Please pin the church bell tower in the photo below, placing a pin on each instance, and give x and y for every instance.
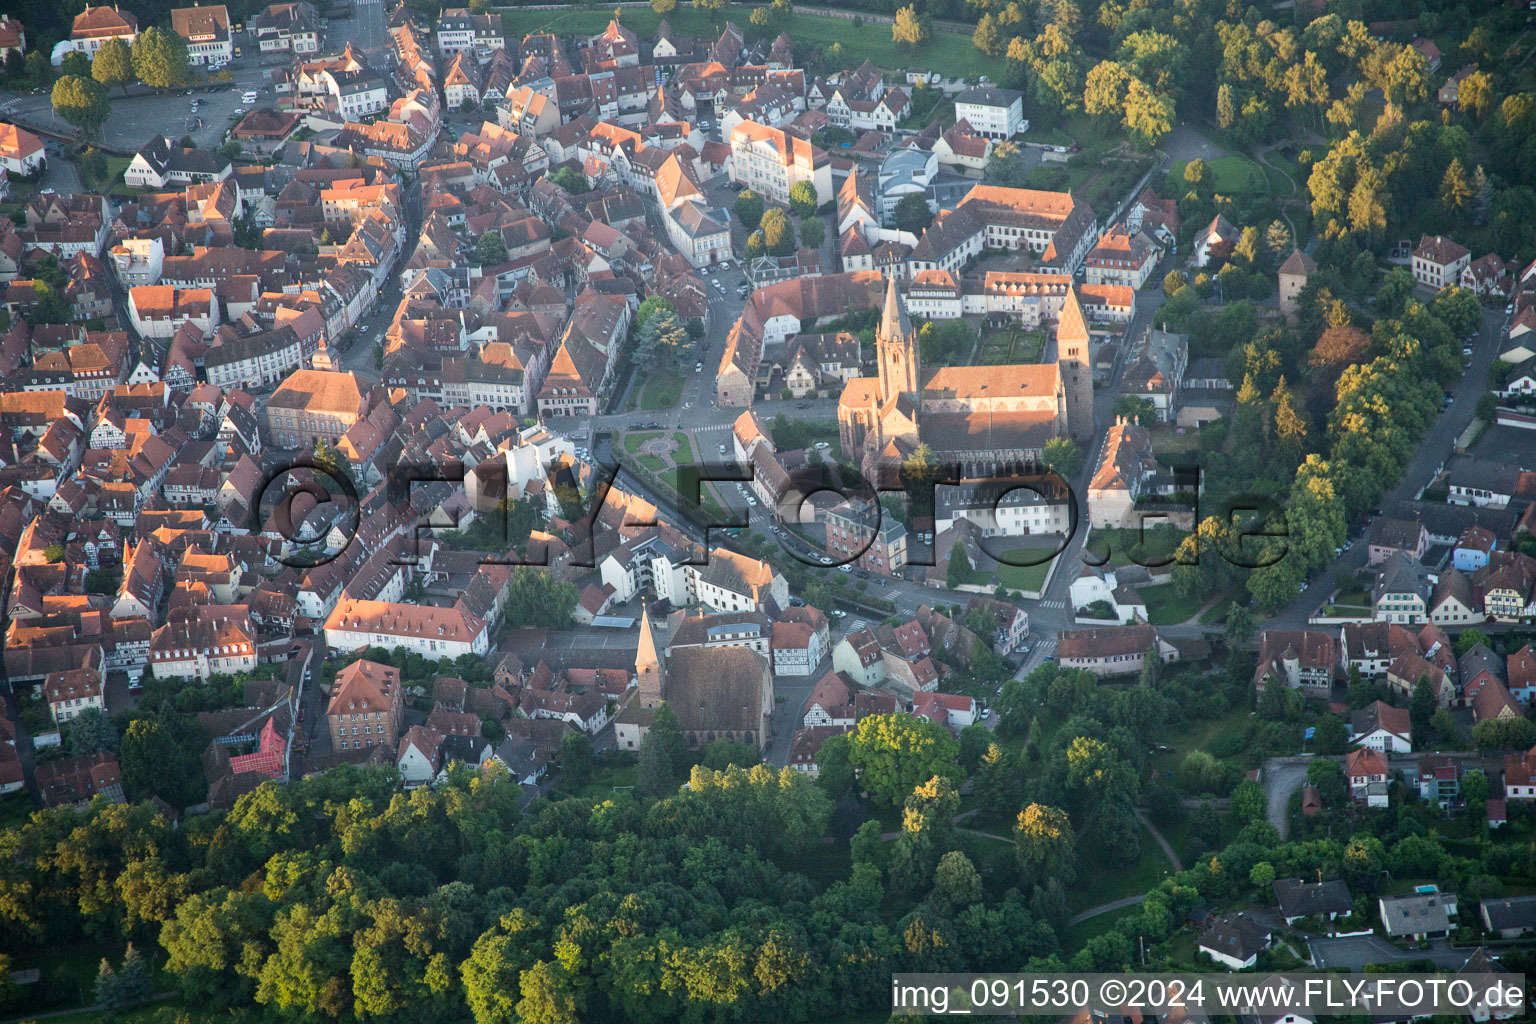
(896, 347)
(1072, 360)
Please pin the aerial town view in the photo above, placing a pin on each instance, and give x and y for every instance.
(696, 512)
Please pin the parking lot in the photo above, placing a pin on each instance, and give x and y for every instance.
(139, 115)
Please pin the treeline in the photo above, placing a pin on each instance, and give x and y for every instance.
(339, 896)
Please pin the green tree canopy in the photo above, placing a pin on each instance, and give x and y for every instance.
(895, 753)
(82, 102)
(113, 65)
(749, 209)
(160, 58)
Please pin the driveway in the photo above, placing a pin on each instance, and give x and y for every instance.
(1355, 952)
(1281, 777)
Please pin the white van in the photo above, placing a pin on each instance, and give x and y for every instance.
(249, 96)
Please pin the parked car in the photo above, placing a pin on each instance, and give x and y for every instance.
(845, 568)
(825, 560)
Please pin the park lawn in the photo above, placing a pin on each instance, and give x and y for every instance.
(1227, 174)
(1025, 577)
(1099, 881)
(651, 463)
(606, 781)
(1166, 608)
(1078, 935)
(948, 51)
(632, 442)
(662, 391)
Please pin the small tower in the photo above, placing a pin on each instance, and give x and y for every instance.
(649, 671)
(321, 360)
(1072, 360)
(896, 347)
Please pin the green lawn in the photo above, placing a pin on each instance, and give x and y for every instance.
(1229, 173)
(1010, 348)
(1079, 934)
(662, 391)
(1025, 577)
(1166, 608)
(632, 442)
(651, 462)
(950, 52)
(1100, 881)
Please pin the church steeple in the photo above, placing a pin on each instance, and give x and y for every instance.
(1072, 360)
(896, 347)
(650, 674)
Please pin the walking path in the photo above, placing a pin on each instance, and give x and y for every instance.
(1104, 908)
(1173, 858)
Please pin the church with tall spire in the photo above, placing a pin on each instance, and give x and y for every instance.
(988, 419)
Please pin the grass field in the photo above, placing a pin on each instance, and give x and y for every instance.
(1099, 881)
(662, 390)
(1166, 608)
(1025, 577)
(632, 442)
(950, 53)
(1230, 174)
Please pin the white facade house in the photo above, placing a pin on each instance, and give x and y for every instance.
(994, 113)
(770, 162)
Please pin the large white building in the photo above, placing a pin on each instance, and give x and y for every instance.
(206, 30)
(992, 112)
(433, 633)
(770, 161)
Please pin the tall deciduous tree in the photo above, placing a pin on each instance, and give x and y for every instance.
(749, 209)
(895, 753)
(802, 199)
(1045, 844)
(987, 37)
(82, 102)
(113, 65)
(160, 58)
(909, 29)
(778, 233)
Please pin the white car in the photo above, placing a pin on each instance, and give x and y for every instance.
(825, 560)
(845, 568)
(698, 367)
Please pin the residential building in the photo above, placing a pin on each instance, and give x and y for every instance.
(1235, 941)
(1299, 899)
(71, 691)
(367, 707)
(1438, 262)
(293, 27)
(1301, 659)
(865, 535)
(21, 152)
(1509, 917)
(1366, 771)
(1122, 258)
(1112, 650)
(992, 112)
(94, 26)
(1421, 915)
(1380, 726)
(770, 162)
(159, 311)
(159, 164)
(206, 30)
(1401, 592)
